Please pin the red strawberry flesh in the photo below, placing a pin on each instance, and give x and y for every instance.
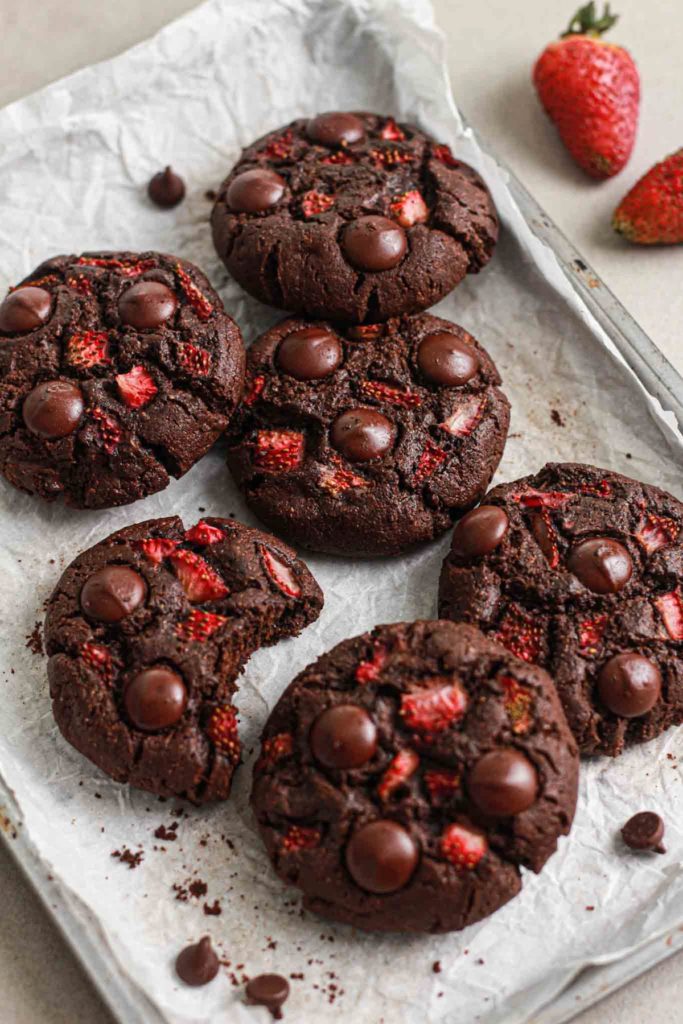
(463, 847)
(137, 387)
(433, 709)
(199, 581)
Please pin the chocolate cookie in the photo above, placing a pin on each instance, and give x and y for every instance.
(117, 370)
(406, 775)
(579, 570)
(369, 440)
(352, 217)
(147, 633)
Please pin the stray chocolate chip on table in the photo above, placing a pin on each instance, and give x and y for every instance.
(644, 831)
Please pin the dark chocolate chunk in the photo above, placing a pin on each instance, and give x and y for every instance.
(629, 684)
(447, 359)
(644, 831)
(255, 191)
(269, 990)
(381, 856)
(25, 309)
(343, 737)
(197, 964)
(362, 434)
(503, 782)
(166, 189)
(479, 532)
(374, 243)
(147, 304)
(53, 409)
(602, 564)
(311, 353)
(112, 593)
(335, 128)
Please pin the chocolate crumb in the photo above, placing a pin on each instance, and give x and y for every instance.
(127, 856)
(556, 417)
(34, 640)
(211, 195)
(213, 909)
(436, 967)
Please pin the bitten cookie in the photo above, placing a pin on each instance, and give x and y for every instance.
(579, 569)
(147, 633)
(352, 217)
(117, 370)
(406, 775)
(367, 440)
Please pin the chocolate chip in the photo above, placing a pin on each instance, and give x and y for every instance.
(480, 531)
(362, 434)
(601, 564)
(24, 310)
(112, 593)
(309, 354)
(254, 191)
(155, 698)
(644, 831)
(147, 304)
(629, 685)
(335, 128)
(197, 964)
(503, 782)
(344, 736)
(374, 243)
(269, 990)
(381, 857)
(446, 359)
(53, 409)
(166, 189)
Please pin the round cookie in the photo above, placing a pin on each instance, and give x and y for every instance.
(406, 775)
(352, 217)
(147, 632)
(367, 440)
(580, 569)
(117, 371)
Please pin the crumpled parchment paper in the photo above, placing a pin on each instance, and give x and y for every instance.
(74, 160)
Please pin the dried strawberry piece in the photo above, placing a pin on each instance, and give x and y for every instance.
(518, 702)
(656, 532)
(194, 359)
(464, 420)
(336, 479)
(197, 299)
(520, 633)
(391, 131)
(127, 268)
(600, 490)
(313, 203)
(410, 208)
(546, 536)
(300, 837)
(37, 282)
(532, 498)
(591, 632)
(273, 750)
(340, 156)
(402, 766)
(670, 607)
(382, 392)
(87, 348)
(222, 731)
(370, 669)
(443, 153)
(80, 283)
(137, 387)
(253, 394)
(433, 709)
(199, 625)
(204, 533)
(431, 458)
(156, 549)
(279, 148)
(109, 430)
(462, 846)
(365, 332)
(280, 573)
(98, 659)
(391, 156)
(199, 581)
(278, 451)
(441, 784)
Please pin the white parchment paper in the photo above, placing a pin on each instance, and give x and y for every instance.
(74, 160)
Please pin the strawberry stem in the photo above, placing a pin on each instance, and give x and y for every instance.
(587, 23)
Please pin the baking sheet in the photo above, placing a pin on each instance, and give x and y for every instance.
(74, 160)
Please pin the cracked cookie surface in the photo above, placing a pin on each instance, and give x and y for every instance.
(406, 775)
(147, 632)
(580, 569)
(352, 217)
(117, 371)
(367, 440)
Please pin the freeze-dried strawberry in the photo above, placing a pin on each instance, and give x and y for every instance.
(431, 458)
(520, 633)
(156, 549)
(382, 392)
(194, 359)
(463, 420)
(402, 766)
(204, 533)
(279, 148)
(410, 208)
(199, 581)
(273, 750)
(300, 837)
(546, 536)
(600, 490)
(433, 709)
(369, 669)
(137, 387)
(591, 632)
(443, 153)
(532, 498)
(391, 156)
(199, 625)
(441, 784)
(391, 131)
(109, 430)
(340, 156)
(313, 203)
(80, 283)
(462, 846)
(222, 731)
(280, 573)
(518, 702)
(278, 451)
(254, 390)
(365, 332)
(656, 532)
(127, 268)
(670, 607)
(37, 282)
(87, 348)
(336, 479)
(197, 299)
(98, 659)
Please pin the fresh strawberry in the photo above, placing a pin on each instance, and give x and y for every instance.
(203, 533)
(652, 212)
(254, 390)
(339, 157)
(313, 203)
(599, 490)
(546, 536)
(370, 669)
(382, 392)
(591, 91)
(518, 702)
(402, 766)
(199, 581)
(80, 283)
(465, 418)
(98, 659)
(391, 132)
(199, 625)
(462, 846)
(656, 532)
(279, 148)
(391, 156)
(431, 458)
(137, 387)
(87, 348)
(532, 498)
(520, 633)
(273, 750)
(670, 607)
(441, 784)
(222, 731)
(156, 549)
(127, 268)
(280, 573)
(300, 837)
(366, 332)
(433, 709)
(591, 632)
(109, 430)
(278, 451)
(443, 154)
(195, 360)
(335, 479)
(197, 299)
(410, 208)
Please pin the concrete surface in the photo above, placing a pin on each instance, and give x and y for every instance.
(492, 45)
